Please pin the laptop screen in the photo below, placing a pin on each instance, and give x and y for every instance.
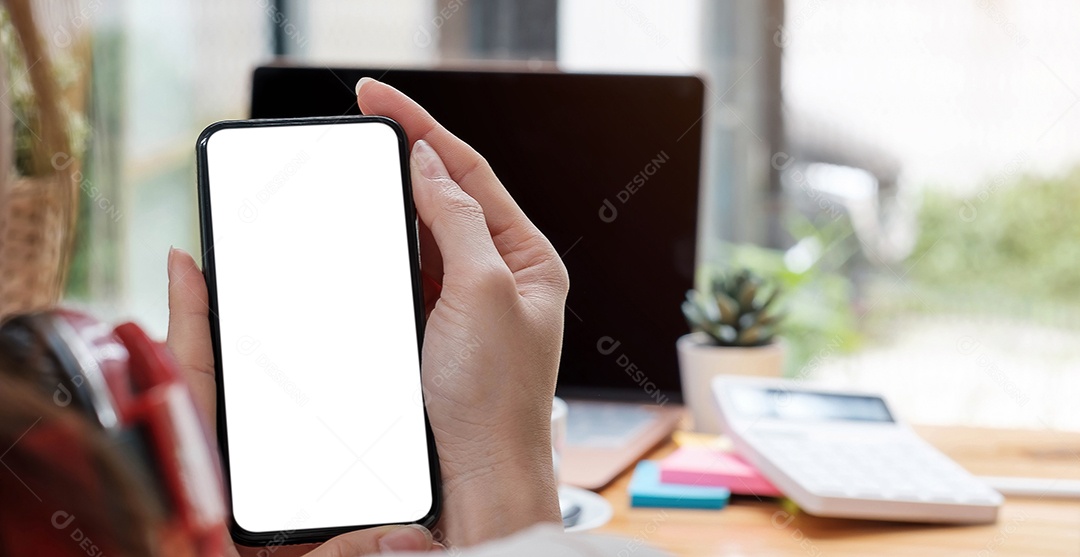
(607, 166)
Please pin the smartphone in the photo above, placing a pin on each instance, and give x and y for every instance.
(310, 252)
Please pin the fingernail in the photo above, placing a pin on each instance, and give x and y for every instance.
(169, 264)
(407, 538)
(427, 161)
(361, 83)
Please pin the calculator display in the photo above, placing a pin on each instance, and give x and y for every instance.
(787, 404)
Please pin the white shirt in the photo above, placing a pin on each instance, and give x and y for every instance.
(549, 540)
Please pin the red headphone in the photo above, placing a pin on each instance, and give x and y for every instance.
(129, 386)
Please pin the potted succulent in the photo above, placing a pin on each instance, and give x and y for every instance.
(733, 332)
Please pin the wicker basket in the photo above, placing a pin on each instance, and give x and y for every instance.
(37, 213)
(34, 231)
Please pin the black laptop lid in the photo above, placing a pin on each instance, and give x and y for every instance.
(607, 166)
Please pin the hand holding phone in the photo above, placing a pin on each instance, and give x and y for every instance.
(488, 390)
(491, 349)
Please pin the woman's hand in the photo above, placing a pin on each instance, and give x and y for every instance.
(495, 291)
(494, 331)
(189, 341)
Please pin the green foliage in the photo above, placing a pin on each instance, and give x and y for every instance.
(736, 311)
(21, 101)
(1015, 242)
(815, 295)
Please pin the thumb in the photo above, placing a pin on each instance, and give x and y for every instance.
(189, 330)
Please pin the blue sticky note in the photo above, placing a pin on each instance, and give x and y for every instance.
(646, 490)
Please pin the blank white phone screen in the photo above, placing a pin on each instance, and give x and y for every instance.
(319, 356)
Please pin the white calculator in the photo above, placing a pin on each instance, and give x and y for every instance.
(843, 454)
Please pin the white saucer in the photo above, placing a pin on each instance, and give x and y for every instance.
(595, 510)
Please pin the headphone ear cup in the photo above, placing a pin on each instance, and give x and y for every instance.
(31, 350)
(23, 354)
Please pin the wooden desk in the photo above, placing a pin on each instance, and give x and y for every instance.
(1026, 527)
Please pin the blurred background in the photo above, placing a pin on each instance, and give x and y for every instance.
(908, 170)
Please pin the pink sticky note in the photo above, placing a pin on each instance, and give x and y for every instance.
(706, 466)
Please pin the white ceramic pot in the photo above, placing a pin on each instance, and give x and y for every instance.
(700, 361)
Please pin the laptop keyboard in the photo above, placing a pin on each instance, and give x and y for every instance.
(605, 425)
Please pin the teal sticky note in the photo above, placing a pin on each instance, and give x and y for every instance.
(646, 490)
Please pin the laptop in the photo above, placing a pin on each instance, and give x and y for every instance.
(608, 167)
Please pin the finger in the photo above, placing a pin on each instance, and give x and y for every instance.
(189, 329)
(513, 234)
(457, 224)
(376, 540)
(464, 164)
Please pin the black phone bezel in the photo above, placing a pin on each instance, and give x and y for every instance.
(305, 535)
